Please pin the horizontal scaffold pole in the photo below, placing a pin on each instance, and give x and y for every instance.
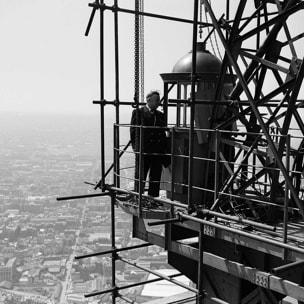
(158, 16)
(288, 267)
(163, 201)
(242, 233)
(66, 198)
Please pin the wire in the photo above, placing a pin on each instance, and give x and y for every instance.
(214, 37)
(201, 19)
(138, 78)
(141, 52)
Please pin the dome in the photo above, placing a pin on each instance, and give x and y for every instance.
(205, 62)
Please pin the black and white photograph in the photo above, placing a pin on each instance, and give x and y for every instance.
(151, 151)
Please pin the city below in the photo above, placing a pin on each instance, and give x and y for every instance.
(41, 159)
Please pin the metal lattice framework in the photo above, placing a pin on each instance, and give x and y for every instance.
(260, 50)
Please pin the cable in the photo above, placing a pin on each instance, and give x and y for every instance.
(138, 79)
(215, 39)
(141, 52)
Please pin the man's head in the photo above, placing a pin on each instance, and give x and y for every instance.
(153, 100)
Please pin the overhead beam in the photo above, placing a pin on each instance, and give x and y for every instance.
(253, 275)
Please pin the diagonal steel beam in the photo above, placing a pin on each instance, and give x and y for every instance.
(263, 49)
(289, 9)
(244, 86)
(262, 101)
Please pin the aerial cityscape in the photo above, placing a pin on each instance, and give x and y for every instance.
(41, 159)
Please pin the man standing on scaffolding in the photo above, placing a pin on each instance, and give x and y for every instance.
(154, 140)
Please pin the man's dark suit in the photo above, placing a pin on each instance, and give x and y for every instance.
(154, 141)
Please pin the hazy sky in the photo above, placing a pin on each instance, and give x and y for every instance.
(48, 65)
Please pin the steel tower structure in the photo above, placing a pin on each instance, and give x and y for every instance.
(239, 238)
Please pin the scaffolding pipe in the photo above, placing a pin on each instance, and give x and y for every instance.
(139, 13)
(244, 102)
(165, 102)
(168, 221)
(192, 106)
(127, 103)
(178, 105)
(242, 233)
(95, 7)
(141, 185)
(238, 219)
(66, 198)
(216, 215)
(163, 201)
(217, 164)
(116, 157)
(288, 267)
(271, 103)
(102, 128)
(114, 254)
(116, 139)
(172, 167)
(200, 293)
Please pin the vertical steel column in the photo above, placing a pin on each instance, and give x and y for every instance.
(227, 15)
(185, 107)
(165, 103)
(216, 165)
(116, 155)
(117, 142)
(192, 105)
(136, 94)
(172, 168)
(200, 293)
(141, 181)
(286, 197)
(114, 254)
(102, 136)
(178, 114)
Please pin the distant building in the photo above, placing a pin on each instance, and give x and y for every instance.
(7, 270)
(77, 299)
(23, 253)
(163, 288)
(33, 207)
(13, 232)
(8, 252)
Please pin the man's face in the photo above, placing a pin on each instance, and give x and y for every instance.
(154, 102)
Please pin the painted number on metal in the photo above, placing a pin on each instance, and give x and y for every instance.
(209, 230)
(261, 279)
